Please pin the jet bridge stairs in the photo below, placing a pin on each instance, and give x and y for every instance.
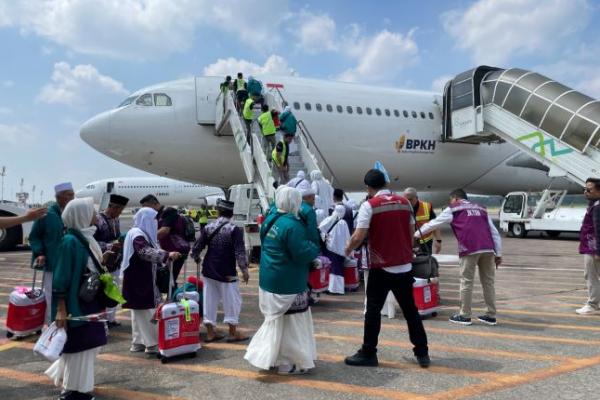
(304, 152)
(557, 126)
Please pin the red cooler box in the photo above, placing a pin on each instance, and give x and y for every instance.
(351, 278)
(318, 277)
(427, 296)
(178, 329)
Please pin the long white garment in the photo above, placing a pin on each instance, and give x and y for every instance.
(335, 238)
(143, 331)
(215, 292)
(323, 189)
(75, 370)
(336, 284)
(48, 295)
(282, 339)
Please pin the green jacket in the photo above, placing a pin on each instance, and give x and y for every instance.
(308, 216)
(68, 274)
(46, 235)
(286, 254)
(202, 216)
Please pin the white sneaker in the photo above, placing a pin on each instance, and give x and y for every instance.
(586, 310)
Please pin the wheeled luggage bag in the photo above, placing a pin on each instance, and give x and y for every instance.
(178, 326)
(318, 277)
(26, 310)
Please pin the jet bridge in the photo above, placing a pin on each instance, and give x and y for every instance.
(554, 124)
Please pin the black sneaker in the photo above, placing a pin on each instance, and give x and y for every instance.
(361, 359)
(487, 320)
(459, 319)
(423, 361)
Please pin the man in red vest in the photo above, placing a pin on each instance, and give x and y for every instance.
(388, 221)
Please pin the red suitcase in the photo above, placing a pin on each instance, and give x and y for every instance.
(351, 277)
(178, 326)
(427, 296)
(26, 310)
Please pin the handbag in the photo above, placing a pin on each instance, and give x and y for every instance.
(51, 343)
(92, 287)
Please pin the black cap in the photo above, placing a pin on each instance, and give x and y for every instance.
(150, 198)
(225, 205)
(338, 193)
(118, 200)
(375, 179)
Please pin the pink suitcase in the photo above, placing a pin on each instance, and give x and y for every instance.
(178, 327)
(26, 310)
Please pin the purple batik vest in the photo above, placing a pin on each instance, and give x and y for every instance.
(471, 228)
(587, 236)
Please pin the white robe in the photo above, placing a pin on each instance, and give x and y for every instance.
(324, 190)
(282, 339)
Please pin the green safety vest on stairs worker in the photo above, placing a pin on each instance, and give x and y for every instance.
(248, 113)
(266, 122)
(240, 84)
(279, 158)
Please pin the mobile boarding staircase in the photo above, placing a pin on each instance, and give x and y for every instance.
(255, 162)
(556, 125)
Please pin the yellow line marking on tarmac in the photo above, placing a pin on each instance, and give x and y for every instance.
(471, 332)
(10, 345)
(103, 390)
(305, 382)
(452, 349)
(334, 358)
(515, 380)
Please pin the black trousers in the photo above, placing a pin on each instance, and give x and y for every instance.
(379, 285)
(178, 266)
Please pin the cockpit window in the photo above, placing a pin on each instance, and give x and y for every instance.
(144, 100)
(161, 99)
(127, 101)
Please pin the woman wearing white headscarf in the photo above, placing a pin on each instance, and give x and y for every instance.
(300, 177)
(323, 189)
(141, 257)
(75, 368)
(286, 338)
(335, 234)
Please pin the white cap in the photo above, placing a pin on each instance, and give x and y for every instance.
(63, 187)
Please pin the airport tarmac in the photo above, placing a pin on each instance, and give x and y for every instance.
(541, 349)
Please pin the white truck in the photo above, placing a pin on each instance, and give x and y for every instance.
(12, 237)
(522, 212)
(245, 214)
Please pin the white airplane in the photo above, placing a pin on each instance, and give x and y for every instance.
(168, 129)
(167, 191)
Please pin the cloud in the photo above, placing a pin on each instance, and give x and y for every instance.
(16, 134)
(493, 31)
(274, 65)
(316, 33)
(142, 29)
(73, 86)
(5, 111)
(438, 83)
(8, 83)
(382, 57)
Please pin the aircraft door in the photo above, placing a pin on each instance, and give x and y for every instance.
(110, 186)
(206, 97)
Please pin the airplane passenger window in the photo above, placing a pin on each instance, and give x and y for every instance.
(369, 111)
(329, 108)
(431, 115)
(339, 109)
(319, 107)
(307, 106)
(296, 105)
(396, 113)
(359, 110)
(161, 99)
(349, 109)
(422, 115)
(414, 114)
(387, 112)
(405, 113)
(377, 111)
(144, 100)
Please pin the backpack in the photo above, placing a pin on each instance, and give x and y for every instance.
(189, 229)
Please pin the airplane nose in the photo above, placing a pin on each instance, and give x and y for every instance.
(94, 130)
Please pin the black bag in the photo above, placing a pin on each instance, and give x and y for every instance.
(190, 229)
(300, 304)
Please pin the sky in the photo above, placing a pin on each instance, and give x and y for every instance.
(64, 61)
